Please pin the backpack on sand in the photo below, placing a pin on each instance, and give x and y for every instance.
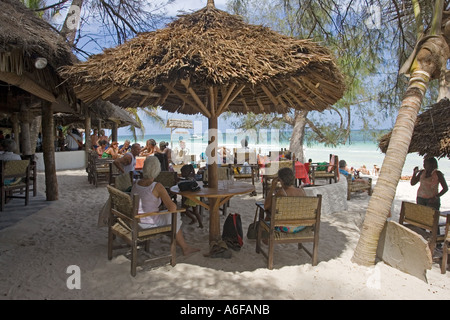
(232, 231)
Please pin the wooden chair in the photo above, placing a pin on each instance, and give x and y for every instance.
(355, 186)
(33, 173)
(168, 179)
(297, 211)
(271, 172)
(242, 157)
(328, 170)
(123, 222)
(100, 170)
(423, 220)
(446, 247)
(15, 178)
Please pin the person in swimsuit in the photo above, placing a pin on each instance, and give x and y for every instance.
(430, 178)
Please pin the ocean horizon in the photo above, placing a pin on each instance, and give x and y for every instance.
(357, 153)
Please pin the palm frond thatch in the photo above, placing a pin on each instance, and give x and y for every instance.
(431, 136)
(99, 110)
(211, 53)
(21, 28)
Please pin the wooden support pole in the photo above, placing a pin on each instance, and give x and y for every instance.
(48, 147)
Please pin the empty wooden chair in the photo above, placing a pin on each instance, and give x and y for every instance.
(423, 220)
(328, 170)
(15, 180)
(291, 211)
(123, 222)
(356, 186)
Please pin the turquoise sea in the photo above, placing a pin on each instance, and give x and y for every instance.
(359, 152)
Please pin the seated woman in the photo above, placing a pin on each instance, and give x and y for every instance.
(150, 148)
(151, 194)
(101, 147)
(112, 151)
(126, 147)
(286, 177)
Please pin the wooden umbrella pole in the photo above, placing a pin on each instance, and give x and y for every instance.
(213, 179)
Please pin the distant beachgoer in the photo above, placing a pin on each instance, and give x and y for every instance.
(102, 136)
(343, 169)
(94, 139)
(364, 170)
(150, 148)
(376, 170)
(430, 177)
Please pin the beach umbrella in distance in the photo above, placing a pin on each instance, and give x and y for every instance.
(431, 136)
(210, 62)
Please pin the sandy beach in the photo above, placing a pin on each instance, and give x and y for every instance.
(36, 252)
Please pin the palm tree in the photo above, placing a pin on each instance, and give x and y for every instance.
(428, 63)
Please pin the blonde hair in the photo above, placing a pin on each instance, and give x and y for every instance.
(152, 167)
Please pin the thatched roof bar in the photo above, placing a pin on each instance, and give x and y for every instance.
(231, 98)
(27, 84)
(226, 94)
(200, 104)
(180, 95)
(270, 95)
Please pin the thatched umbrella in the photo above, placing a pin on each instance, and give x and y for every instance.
(210, 62)
(105, 111)
(431, 136)
(25, 39)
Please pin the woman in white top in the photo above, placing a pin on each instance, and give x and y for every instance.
(151, 194)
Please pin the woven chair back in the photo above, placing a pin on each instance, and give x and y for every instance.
(418, 214)
(167, 178)
(222, 172)
(14, 168)
(121, 202)
(297, 210)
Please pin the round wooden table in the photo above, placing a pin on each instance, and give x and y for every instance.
(216, 197)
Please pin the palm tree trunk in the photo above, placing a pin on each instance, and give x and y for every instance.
(384, 191)
(298, 135)
(428, 62)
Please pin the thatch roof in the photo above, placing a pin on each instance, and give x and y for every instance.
(23, 38)
(431, 136)
(99, 110)
(213, 55)
(22, 29)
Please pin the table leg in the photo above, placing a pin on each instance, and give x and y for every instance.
(214, 220)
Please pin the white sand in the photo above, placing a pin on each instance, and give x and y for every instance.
(36, 252)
